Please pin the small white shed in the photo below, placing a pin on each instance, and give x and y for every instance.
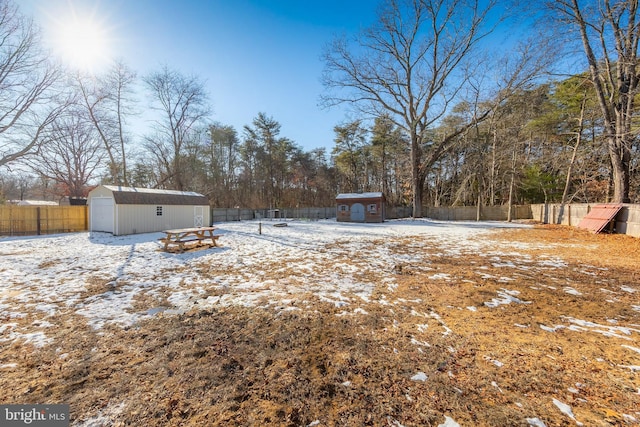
(128, 210)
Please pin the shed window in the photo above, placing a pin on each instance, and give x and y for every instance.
(343, 208)
(158, 210)
(372, 208)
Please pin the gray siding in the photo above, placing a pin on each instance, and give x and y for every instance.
(132, 219)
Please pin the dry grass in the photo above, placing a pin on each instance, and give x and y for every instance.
(484, 366)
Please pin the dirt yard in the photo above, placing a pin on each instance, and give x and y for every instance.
(539, 327)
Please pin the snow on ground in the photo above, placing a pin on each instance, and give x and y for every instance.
(123, 279)
(104, 277)
(120, 280)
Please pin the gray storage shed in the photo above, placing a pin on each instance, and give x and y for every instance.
(128, 210)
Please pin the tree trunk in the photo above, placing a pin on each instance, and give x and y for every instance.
(616, 107)
(492, 179)
(620, 171)
(416, 180)
(511, 185)
(567, 183)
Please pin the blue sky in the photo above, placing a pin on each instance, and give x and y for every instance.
(254, 55)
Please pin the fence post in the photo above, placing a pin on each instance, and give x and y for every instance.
(38, 231)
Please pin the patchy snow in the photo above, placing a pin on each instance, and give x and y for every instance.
(104, 416)
(630, 418)
(420, 343)
(535, 422)
(449, 422)
(606, 330)
(393, 422)
(420, 376)
(436, 316)
(121, 280)
(498, 363)
(554, 263)
(579, 325)
(505, 296)
(572, 291)
(637, 350)
(566, 409)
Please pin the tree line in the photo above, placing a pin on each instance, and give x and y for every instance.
(438, 121)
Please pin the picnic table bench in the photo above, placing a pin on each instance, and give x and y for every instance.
(182, 236)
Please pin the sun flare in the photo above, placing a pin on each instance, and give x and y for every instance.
(82, 43)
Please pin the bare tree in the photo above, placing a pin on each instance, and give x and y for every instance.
(29, 102)
(408, 67)
(108, 101)
(609, 32)
(416, 64)
(182, 104)
(15, 186)
(70, 156)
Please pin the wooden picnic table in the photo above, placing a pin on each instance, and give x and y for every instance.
(181, 236)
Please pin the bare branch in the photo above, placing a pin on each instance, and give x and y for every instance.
(29, 98)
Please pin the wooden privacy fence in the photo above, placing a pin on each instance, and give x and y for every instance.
(35, 220)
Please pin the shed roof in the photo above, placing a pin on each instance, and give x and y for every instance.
(152, 196)
(374, 195)
(33, 203)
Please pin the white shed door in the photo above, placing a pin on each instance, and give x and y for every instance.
(102, 214)
(198, 216)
